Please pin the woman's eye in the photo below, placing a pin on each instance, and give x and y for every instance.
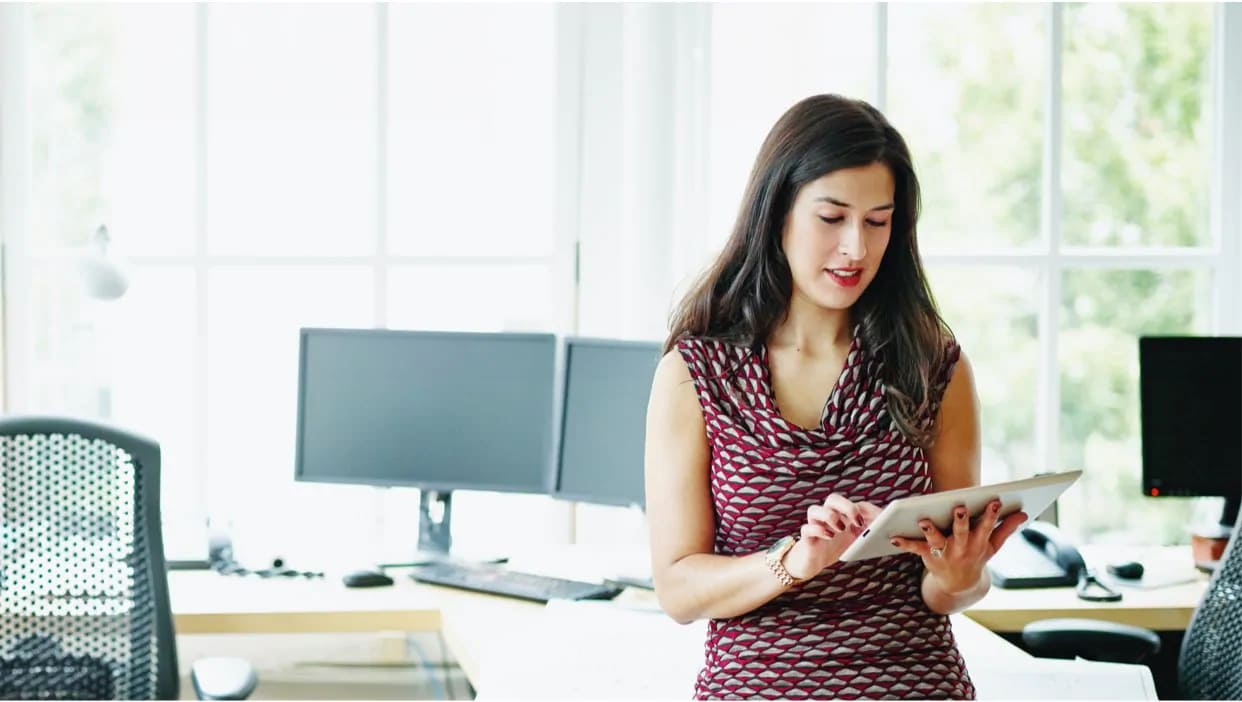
(841, 218)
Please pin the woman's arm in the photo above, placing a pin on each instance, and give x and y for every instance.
(958, 579)
(691, 581)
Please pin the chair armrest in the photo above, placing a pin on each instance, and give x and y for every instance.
(1093, 639)
(223, 678)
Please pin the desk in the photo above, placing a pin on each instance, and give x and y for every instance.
(207, 603)
(1166, 609)
(478, 628)
(1163, 609)
(491, 636)
(204, 602)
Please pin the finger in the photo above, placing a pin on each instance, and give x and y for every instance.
(825, 526)
(815, 531)
(918, 548)
(847, 509)
(868, 510)
(991, 513)
(987, 522)
(832, 518)
(933, 536)
(1006, 529)
(961, 524)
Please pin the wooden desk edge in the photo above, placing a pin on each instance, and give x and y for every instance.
(1157, 618)
(307, 622)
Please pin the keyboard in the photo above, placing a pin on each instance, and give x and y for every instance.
(497, 580)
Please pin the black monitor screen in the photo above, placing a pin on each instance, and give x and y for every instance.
(434, 410)
(1191, 414)
(604, 420)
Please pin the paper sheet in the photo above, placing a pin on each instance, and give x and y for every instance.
(1049, 679)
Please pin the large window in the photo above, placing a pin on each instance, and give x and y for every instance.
(265, 168)
(764, 58)
(1064, 155)
(450, 166)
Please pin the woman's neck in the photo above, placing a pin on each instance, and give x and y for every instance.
(811, 329)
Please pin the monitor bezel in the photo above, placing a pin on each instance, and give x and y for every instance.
(441, 486)
(1146, 480)
(565, 358)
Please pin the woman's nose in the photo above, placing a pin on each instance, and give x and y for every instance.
(852, 243)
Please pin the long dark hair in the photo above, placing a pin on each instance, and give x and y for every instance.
(746, 292)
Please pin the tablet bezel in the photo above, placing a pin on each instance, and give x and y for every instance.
(900, 517)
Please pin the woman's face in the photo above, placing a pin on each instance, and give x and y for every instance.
(836, 233)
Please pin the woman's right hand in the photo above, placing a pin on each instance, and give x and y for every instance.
(830, 528)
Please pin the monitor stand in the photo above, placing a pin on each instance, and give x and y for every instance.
(435, 537)
(1208, 545)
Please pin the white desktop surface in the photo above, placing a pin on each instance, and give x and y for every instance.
(602, 650)
(512, 649)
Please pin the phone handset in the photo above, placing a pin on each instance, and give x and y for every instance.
(1053, 543)
(1049, 539)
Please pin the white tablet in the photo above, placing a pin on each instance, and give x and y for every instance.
(901, 517)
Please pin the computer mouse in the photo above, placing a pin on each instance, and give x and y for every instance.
(366, 578)
(1130, 570)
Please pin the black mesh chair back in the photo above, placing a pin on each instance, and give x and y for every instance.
(84, 608)
(1210, 666)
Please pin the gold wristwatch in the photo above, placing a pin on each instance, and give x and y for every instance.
(775, 557)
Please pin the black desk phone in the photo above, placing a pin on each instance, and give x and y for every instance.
(1040, 555)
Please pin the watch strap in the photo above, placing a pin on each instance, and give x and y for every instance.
(775, 559)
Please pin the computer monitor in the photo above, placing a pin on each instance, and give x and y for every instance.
(439, 411)
(604, 420)
(1190, 394)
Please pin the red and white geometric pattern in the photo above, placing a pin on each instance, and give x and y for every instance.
(857, 629)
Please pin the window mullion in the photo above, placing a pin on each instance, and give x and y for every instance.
(1048, 409)
(379, 266)
(17, 332)
(200, 428)
(1226, 193)
(881, 54)
(570, 91)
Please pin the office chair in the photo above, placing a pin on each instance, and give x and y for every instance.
(1210, 664)
(84, 610)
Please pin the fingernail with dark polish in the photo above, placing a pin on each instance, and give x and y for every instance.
(895, 542)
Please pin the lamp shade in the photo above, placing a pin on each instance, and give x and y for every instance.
(103, 276)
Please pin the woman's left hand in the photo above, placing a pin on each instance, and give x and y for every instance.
(957, 560)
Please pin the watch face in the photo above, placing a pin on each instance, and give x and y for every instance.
(779, 545)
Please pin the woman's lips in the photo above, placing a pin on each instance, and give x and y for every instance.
(845, 277)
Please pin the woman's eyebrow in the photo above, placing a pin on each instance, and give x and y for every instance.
(838, 203)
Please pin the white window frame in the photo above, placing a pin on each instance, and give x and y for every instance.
(15, 181)
(1050, 260)
(582, 124)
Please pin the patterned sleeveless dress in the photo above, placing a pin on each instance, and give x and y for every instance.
(858, 629)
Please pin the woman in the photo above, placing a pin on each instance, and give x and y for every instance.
(756, 484)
